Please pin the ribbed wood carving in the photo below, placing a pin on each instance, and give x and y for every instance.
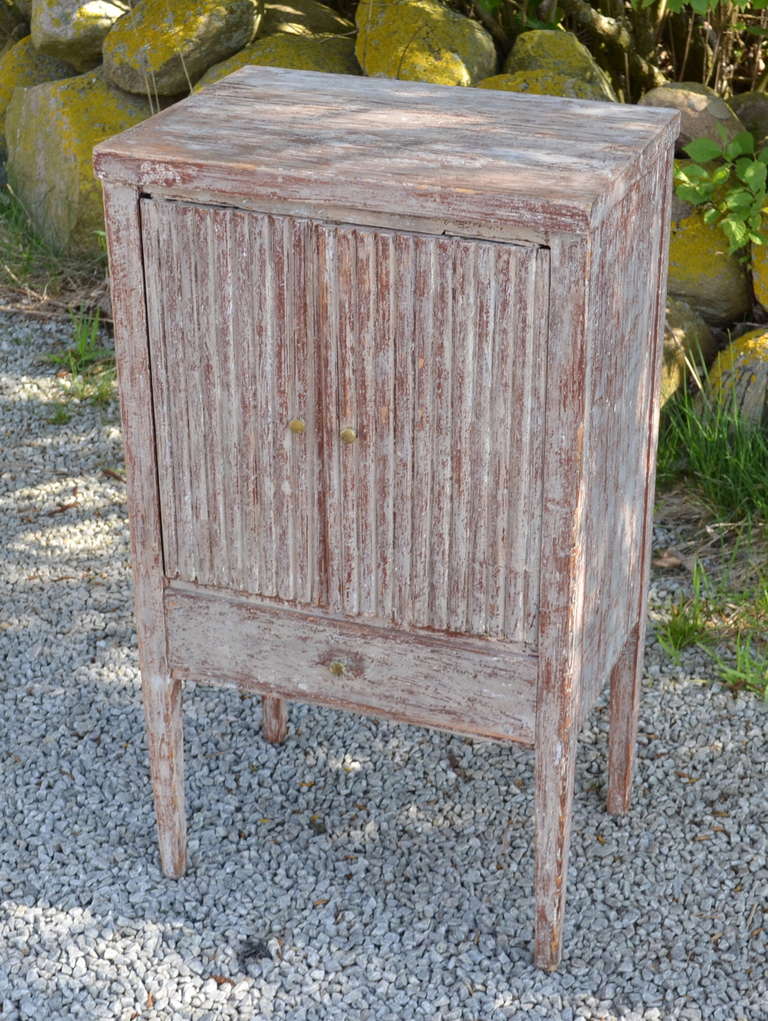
(430, 349)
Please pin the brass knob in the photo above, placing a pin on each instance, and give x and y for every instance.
(348, 435)
(297, 425)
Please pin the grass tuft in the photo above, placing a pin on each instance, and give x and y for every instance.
(87, 368)
(706, 443)
(33, 275)
(688, 623)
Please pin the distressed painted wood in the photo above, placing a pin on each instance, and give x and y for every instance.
(161, 693)
(396, 148)
(627, 675)
(274, 719)
(390, 415)
(624, 350)
(465, 685)
(561, 594)
(305, 517)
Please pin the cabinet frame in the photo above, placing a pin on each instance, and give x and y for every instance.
(606, 291)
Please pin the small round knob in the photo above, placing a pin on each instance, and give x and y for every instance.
(348, 435)
(297, 425)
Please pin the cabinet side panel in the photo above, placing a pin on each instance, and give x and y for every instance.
(626, 311)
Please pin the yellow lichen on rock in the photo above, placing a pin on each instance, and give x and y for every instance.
(303, 17)
(545, 83)
(74, 30)
(740, 374)
(687, 341)
(22, 66)
(421, 40)
(760, 268)
(702, 272)
(560, 53)
(331, 53)
(163, 46)
(51, 131)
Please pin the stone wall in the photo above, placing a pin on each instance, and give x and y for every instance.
(74, 72)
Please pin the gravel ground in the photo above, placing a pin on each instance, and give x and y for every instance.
(363, 870)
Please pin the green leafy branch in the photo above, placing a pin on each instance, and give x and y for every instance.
(729, 180)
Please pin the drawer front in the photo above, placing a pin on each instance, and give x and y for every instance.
(414, 365)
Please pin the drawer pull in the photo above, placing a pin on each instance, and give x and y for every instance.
(348, 435)
(297, 425)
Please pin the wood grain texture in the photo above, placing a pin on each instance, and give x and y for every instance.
(162, 694)
(627, 676)
(464, 685)
(431, 349)
(626, 291)
(361, 145)
(561, 599)
(274, 719)
(476, 557)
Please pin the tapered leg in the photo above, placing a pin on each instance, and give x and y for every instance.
(555, 773)
(622, 733)
(274, 717)
(162, 709)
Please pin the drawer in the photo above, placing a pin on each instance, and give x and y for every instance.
(464, 685)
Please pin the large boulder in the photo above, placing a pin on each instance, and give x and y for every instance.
(561, 54)
(703, 114)
(21, 66)
(51, 131)
(701, 270)
(303, 17)
(760, 268)
(421, 40)
(752, 110)
(687, 341)
(74, 30)
(546, 83)
(740, 374)
(330, 53)
(163, 47)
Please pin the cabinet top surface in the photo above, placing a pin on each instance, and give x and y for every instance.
(393, 146)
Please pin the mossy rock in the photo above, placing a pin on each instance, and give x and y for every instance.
(163, 46)
(421, 40)
(687, 341)
(22, 66)
(303, 17)
(740, 375)
(562, 54)
(51, 131)
(545, 83)
(760, 268)
(752, 110)
(74, 30)
(701, 270)
(334, 54)
(12, 22)
(703, 114)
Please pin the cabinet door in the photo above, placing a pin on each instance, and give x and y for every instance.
(230, 314)
(433, 357)
(427, 348)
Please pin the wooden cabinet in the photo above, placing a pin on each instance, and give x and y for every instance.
(388, 359)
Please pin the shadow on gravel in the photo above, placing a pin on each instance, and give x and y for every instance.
(363, 869)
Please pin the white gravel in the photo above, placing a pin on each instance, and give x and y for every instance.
(361, 871)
